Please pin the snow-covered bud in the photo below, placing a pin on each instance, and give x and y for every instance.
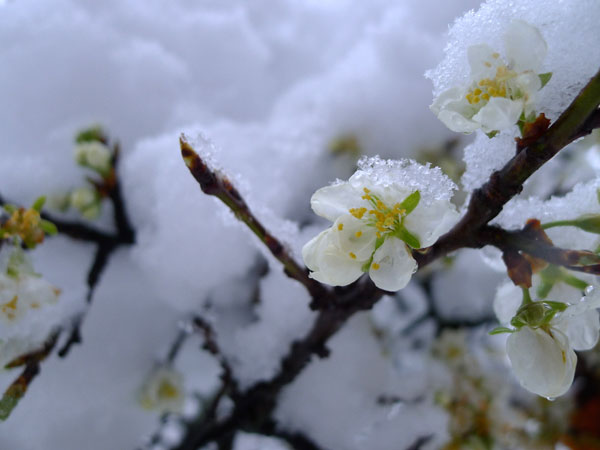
(501, 91)
(379, 214)
(163, 391)
(94, 155)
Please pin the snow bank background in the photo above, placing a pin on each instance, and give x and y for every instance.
(265, 87)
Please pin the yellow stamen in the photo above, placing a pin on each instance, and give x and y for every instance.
(10, 308)
(487, 64)
(358, 212)
(352, 255)
(340, 226)
(375, 266)
(358, 234)
(477, 91)
(495, 55)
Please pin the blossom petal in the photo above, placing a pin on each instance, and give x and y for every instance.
(482, 61)
(333, 201)
(498, 114)
(392, 265)
(328, 263)
(525, 46)
(310, 251)
(544, 364)
(454, 111)
(354, 237)
(429, 222)
(582, 330)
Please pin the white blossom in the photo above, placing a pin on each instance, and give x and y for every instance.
(163, 391)
(541, 347)
(500, 89)
(375, 225)
(94, 155)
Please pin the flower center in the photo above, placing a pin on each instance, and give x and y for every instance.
(492, 87)
(10, 308)
(385, 219)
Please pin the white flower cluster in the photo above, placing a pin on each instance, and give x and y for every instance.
(501, 90)
(380, 214)
(540, 347)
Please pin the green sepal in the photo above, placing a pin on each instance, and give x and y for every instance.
(544, 288)
(558, 306)
(378, 243)
(491, 134)
(411, 202)
(91, 134)
(10, 208)
(545, 77)
(500, 330)
(403, 234)
(48, 227)
(39, 203)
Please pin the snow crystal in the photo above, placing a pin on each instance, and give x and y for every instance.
(463, 291)
(282, 316)
(583, 199)
(430, 181)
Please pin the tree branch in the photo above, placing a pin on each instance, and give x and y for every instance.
(213, 183)
(578, 120)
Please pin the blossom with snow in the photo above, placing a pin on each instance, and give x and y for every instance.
(382, 212)
(163, 391)
(501, 91)
(21, 289)
(540, 347)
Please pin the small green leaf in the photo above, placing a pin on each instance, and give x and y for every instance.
(10, 208)
(91, 134)
(48, 227)
(545, 77)
(491, 134)
(39, 203)
(588, 222)
(403, 234)
(7, 404)
(411, 202)
(499, 330)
